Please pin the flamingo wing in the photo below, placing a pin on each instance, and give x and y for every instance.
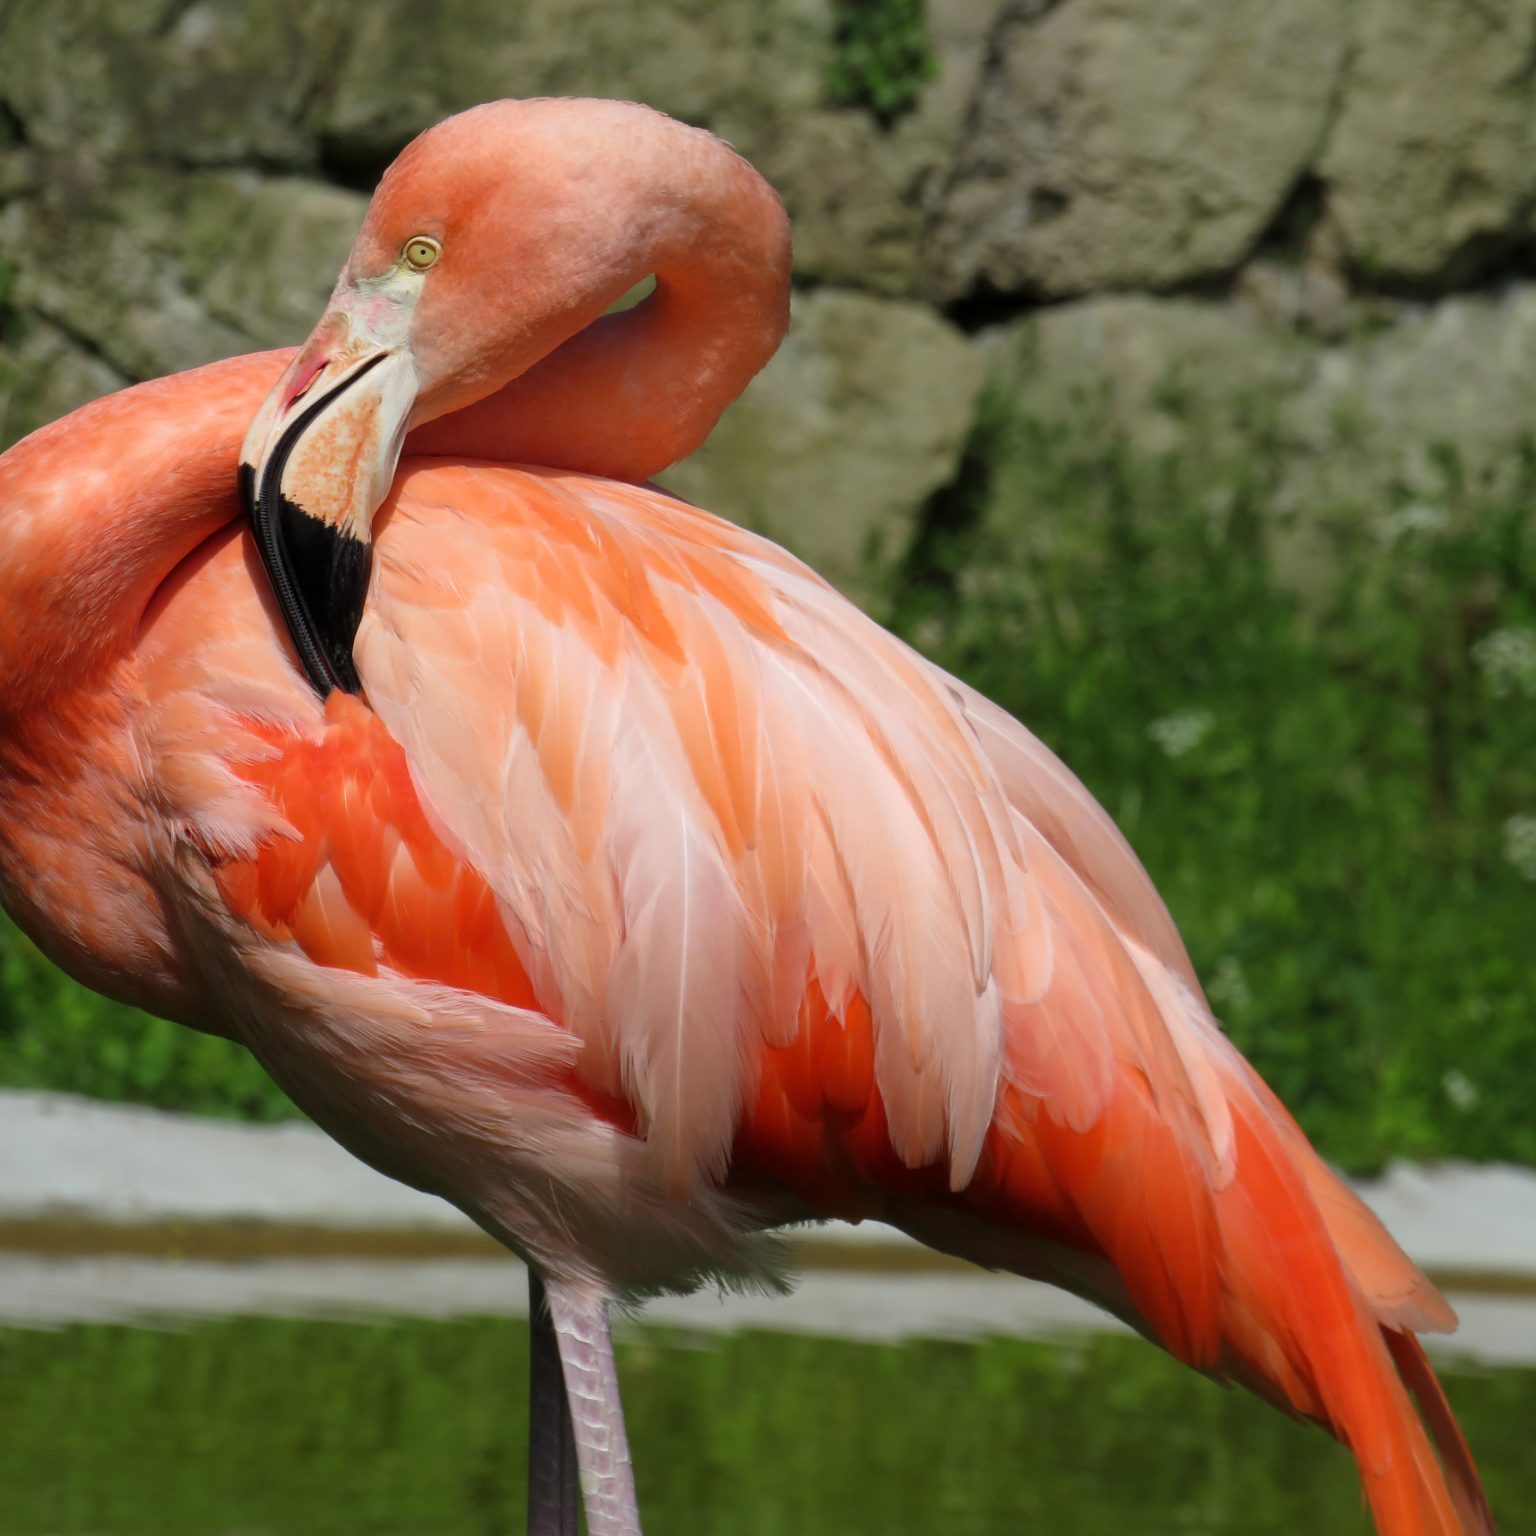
(699, 783)
(816, 915)
(843, 917)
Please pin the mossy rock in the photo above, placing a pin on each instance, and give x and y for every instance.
(161, 271)
(1117, 144)
(1431, 168)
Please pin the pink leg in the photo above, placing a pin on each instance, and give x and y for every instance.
(552, 1488)
(580, 1320)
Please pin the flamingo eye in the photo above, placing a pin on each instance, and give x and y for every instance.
(421, 252)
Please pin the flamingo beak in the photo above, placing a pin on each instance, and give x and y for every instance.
(317, 463)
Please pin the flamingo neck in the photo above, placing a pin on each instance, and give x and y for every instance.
(634, 392)
(99, 508)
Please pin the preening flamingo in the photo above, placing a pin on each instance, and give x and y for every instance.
(575, 855)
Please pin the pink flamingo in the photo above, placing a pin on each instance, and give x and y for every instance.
(575, 855)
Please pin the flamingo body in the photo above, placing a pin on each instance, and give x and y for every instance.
(648, 896)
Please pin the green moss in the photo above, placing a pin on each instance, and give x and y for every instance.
(55, 1034)
(882, 57)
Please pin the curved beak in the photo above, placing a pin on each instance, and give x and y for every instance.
(317, 463)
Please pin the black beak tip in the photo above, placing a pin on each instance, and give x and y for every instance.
(245, 479)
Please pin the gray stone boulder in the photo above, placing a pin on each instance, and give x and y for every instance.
(156, 271)
(1431, 168)
(45, 375)
(862, 197)
(1430, 410)
(1423, 416)
(213, 82)
(1390, 413)
(1159, 375)
(1110, 406)
(1119, 144)
(836, 445)
(729, 63)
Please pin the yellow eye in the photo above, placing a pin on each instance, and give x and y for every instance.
(421, 252)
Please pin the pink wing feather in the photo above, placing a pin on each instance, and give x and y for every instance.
(820, 919)
(694, 777)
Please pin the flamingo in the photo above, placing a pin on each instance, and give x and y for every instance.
(579, 857)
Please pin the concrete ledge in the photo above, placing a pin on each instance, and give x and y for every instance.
(68, 1163)
(114, 1213)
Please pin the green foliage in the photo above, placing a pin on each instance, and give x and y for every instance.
(55, 1034)
(1335, 791)
(305, 1427)
(883, 57)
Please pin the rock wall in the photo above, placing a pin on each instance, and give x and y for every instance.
(1315, 212)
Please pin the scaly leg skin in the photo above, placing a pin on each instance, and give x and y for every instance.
(580, 1319)
(552, 1486)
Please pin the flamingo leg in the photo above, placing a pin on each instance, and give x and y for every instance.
(578, 1319)
(552, 1485)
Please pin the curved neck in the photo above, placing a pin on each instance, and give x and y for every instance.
(634, 392)
(99, 508)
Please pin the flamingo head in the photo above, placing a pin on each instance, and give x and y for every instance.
(496, 236)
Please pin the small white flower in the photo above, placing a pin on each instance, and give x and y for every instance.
(1182, 732)
(1520, 844)
(1228, 986)
(1507, 660)
(1460, 1089)
(1419, 517)
(929, 634)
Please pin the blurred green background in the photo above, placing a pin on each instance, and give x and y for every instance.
(313, 1429)
(1169, 371)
